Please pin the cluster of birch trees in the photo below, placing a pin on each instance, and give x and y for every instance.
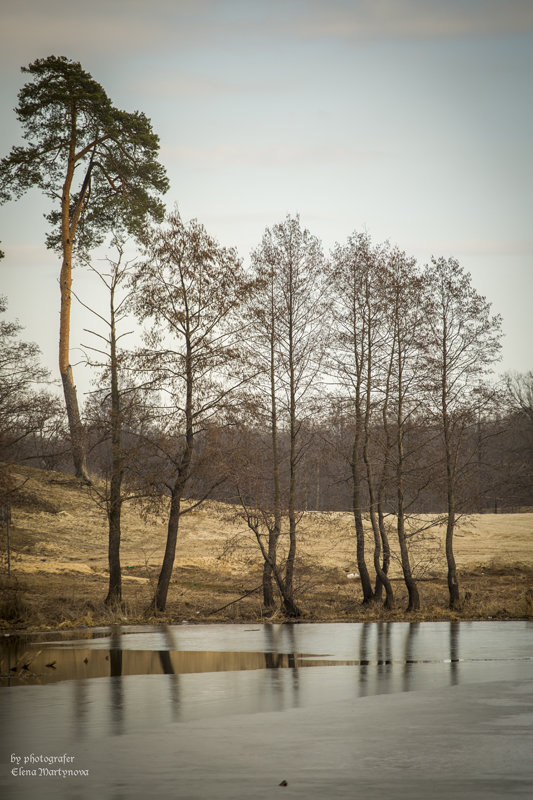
(240, 367)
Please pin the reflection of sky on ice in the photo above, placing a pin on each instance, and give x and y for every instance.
(415, 692)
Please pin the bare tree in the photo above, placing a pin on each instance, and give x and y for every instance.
(287, 330)
(263, 314)
(407, 310)
(188, 290)
(355, 281)
(463, 344)
(111, 403)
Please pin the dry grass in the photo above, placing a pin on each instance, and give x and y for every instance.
(59, 564)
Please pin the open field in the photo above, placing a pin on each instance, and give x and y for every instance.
(59, 564)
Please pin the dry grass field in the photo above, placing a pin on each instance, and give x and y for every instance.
(59, 564)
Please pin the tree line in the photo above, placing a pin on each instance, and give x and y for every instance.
(357, 375)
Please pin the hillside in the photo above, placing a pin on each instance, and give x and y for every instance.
(59, 562)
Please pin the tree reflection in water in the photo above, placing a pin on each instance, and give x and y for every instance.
(168, 669)
(187, 715)
(116, 684)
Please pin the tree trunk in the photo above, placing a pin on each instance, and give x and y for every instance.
(159, 601)
(453, 583)
(77, 436)
(268, 594)
(388, 444)
(71, 400)
(412, 589)
(114, 595)
(273, 534)
(68, 228)
(385, 564)
(382, 580)
(183, 473)
(381, 577)
(359, 530)
(290, 608)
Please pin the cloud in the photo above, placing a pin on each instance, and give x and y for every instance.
(376, 19)
(135, 27)
(199, 86)
(121, 26)
(268, 155)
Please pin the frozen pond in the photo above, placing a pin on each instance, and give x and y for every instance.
(374, 710)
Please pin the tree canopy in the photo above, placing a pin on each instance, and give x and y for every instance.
(80, 145)
(98, 164)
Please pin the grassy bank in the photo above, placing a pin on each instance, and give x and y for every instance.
(59, 561)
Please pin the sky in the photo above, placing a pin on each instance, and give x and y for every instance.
(409, 119)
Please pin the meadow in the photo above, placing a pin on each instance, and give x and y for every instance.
(58, 571)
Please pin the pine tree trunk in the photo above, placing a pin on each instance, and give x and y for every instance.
(77, 437)
(69, 389)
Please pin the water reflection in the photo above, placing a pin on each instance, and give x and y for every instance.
(454, 653)
(382, 658)
(409, 660)
(384, 652)
(80, 709)
(77, 664)
(168, 669)
(116, 687)
(178, 711)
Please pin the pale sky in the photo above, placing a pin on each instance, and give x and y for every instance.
(411, 119)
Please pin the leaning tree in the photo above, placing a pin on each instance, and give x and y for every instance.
(99, 167)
